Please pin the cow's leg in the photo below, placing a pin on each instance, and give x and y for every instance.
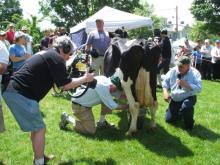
(153, 110)
(133, 106)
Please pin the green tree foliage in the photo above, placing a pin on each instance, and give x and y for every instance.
(145, 32)
(200, 31)
(8, 8)
(31, 24)
(208, 12)
(70, 12)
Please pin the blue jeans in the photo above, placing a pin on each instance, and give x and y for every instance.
(26, 111)
(182, 110)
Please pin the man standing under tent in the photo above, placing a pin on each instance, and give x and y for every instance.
(99, 41)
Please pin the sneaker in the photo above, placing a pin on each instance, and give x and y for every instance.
(105, 124)
(46, 159)
(63, 121)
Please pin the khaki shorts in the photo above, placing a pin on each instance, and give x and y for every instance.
(85, 122)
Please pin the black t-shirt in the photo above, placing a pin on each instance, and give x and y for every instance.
(166, 48)
(36, 77)
(45, 42)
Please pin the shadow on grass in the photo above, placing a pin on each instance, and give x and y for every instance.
(1, 163)
(160, 141)
(108, 161)
(204, 133)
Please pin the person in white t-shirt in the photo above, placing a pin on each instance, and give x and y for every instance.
(216, 60)
(103, 93)
(4, 60)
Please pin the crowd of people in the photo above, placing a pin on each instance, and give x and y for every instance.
(205, 57)
(34, 75)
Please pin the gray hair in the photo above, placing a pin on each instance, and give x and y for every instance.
(64, 42)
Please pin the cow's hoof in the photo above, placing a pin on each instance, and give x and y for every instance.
(131, 133)
(153, 127)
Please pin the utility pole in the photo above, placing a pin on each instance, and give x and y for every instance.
(176, 21)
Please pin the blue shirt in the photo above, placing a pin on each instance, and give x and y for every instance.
(18, 51)
(99, 41)
(198, 56)
(100, 94)
(192, 77)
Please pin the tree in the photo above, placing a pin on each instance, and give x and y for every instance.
(200, 31)
(8, 8)
(208, 12)
(144, 32)
(70, 12)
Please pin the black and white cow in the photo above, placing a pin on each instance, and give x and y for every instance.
(135, 63)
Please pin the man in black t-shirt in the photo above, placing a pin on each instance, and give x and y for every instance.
(32, 82)
(166, 52)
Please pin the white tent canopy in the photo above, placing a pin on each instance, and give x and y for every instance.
(113, 19)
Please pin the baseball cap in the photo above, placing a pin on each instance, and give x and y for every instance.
(116, 81)
(2, 33)
(23, 28)
(217, 41)
(183, 60)
(11, 25)
(164, 31)
(19, 34)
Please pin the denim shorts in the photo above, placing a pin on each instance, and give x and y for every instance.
(26, 111)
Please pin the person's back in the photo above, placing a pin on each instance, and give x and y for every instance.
(95, 96)
(39, 73)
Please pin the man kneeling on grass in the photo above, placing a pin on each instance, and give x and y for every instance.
(102, 94)
(183, 82)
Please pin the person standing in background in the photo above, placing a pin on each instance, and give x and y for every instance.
(99, 41)
(10, 33)
(166, 52)
(215, 53)
(4, 60)
(206, 66)
(29, 40)
(17, 52)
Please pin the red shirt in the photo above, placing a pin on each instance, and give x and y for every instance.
(10, 34)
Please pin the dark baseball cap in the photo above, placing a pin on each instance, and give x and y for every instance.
(183, 60)
(116, 81)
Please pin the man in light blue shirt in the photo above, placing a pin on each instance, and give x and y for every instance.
(180, 86)
(102, 94)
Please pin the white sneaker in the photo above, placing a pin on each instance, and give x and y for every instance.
(64, 116)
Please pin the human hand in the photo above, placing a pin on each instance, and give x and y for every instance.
(89, 77)
(27, 56)
(181, 82)
(123, 107)
(166, 97)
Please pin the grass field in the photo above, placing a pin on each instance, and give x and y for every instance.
(168, 145)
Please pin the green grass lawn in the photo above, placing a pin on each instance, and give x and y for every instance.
(167, 145)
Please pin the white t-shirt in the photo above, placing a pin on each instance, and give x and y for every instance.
(100, 94)
(4, 54)
(215, 53)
